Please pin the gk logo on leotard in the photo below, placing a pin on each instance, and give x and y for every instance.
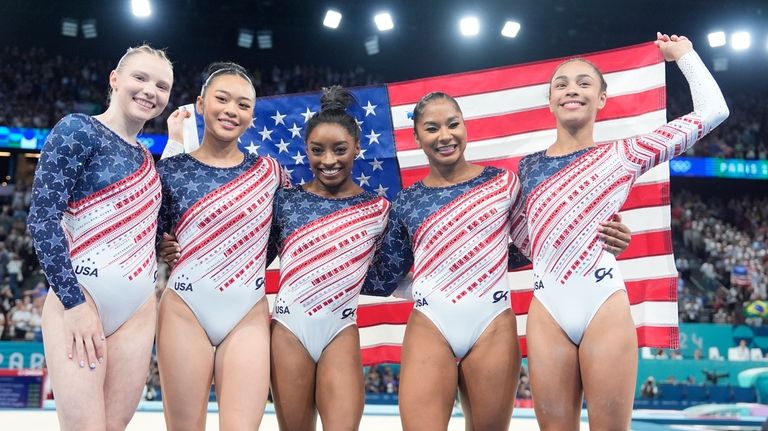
(601, 273)
(348, 312)
(259, 283)
(500, 295)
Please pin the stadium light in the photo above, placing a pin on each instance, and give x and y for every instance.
(469, 26)
(264, 39)
(245, 38)
(332, 19)
(511, 28)
(716, 39)
(372, 45)
(384, 21)
(740, 40)
(141, 8)
(89, 29)
(69, 27)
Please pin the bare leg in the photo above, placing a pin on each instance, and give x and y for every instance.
(129, 350)
(293, 381)
(608, 357)
(185, 360)
(428, 377)
(553, 365)
(339, 392)
(489, 374)
(79, 391)
(242, 371)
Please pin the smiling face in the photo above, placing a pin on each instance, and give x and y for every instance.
(141, 86)
(441, 133)
(576, 94)
(227, 107)
(331, 152)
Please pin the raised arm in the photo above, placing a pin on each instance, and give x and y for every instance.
(676, 137)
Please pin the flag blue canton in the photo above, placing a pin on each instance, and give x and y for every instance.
(277, 131)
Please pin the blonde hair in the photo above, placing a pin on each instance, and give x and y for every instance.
(141, 49)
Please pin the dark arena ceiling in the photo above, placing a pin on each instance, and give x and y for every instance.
(425, 40)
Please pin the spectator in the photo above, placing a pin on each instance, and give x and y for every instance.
(649, 390)
(740, 353)
(14, 274)
(373, 381)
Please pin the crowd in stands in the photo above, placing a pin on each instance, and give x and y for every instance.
(22, 284)
(726, 240)
(44, 88)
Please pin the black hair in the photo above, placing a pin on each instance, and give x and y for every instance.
(220, 68)
(333, 109)
(418, 110)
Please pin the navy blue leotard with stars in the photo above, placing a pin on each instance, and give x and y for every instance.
(326, 246)
(221, 218)
(457, 239)
(93, 217)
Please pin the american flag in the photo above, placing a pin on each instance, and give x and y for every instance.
(507, 117)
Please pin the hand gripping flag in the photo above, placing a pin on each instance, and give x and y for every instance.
(507, 116)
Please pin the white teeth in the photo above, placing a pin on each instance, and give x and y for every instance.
(447, 149)
(231, 123)
(330, 171)
(144, 103)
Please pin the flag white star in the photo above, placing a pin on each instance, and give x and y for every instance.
(278, 118)
(302, 182)
(363, 180)
(298, 158)
(253, 148)
(362, 154)
(295, 131)
(370, 109)
(266, 134)
(282, 146)
(288, 172)
(359, 124)
(253, 122)
(381, 190)
(307, 115)
(373, 137)
(376, 164)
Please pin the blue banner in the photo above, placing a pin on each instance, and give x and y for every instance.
(719, 168)
(21, 138)
(21, 354)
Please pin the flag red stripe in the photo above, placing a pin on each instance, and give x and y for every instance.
(653, 243)
(533, 120)
(502, 78)
(380, 314)
(647, 195)
(665, 337)
(384, 354)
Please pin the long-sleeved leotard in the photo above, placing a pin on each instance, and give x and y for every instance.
(567, 196)
(457, 239)
(221, 218)
(95, 201)
(326, 246)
